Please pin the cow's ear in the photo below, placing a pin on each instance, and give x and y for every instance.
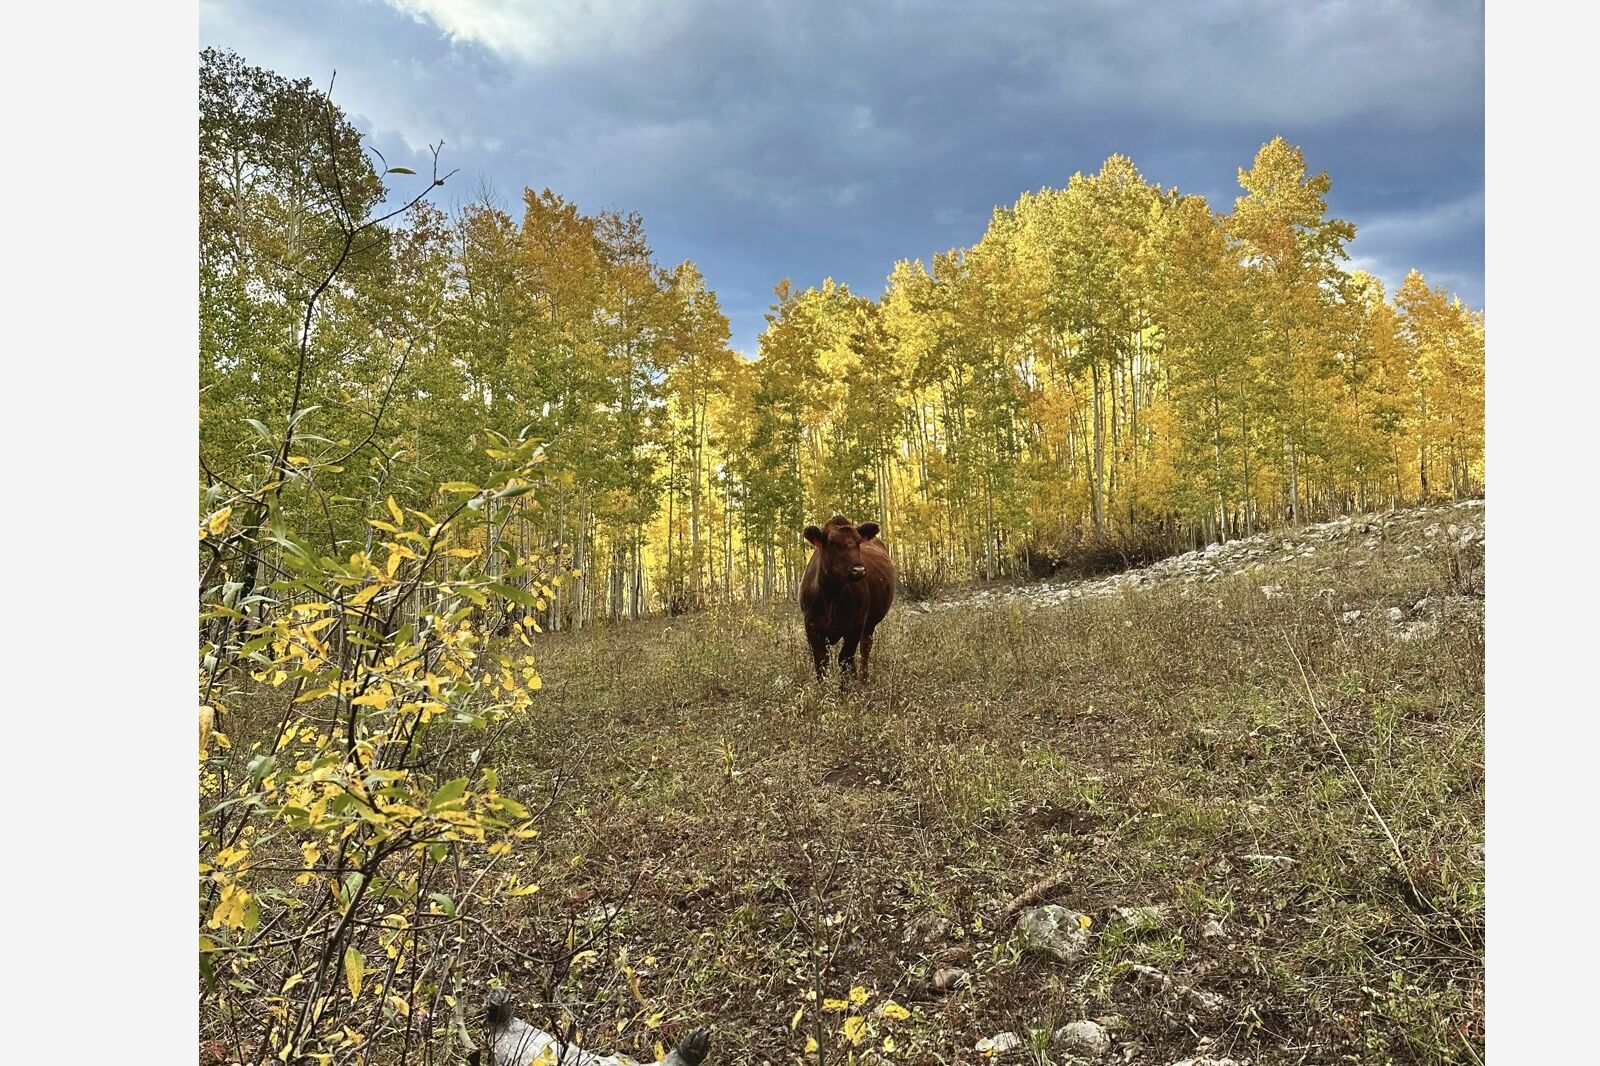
(868, 530)
(814, 535)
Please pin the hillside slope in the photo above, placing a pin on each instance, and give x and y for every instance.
(1190, 761)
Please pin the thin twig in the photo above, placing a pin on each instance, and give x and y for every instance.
(1400, 859)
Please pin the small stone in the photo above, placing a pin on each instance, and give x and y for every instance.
(1212, 929)
(1207, 1060)
(1149, 917)
(999, 1043)
(1082, 1038)
(1209, 1002)
(950, 979)
(1140, 974)
(1272, 592)
(1395, 614)
(1351, 617)
(1053, 930)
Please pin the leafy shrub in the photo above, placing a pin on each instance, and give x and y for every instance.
(348, 835)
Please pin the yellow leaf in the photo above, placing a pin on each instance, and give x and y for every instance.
(363, 597)
(888, 1045)
(233, 909)
(811, 1045)
(298, 460)
(218, 523)
(855, 1027)
(401, 1007)
(893, 1010)
(794, 1023)
(858, 996)
(1084, 921)
(355, 967)
(394, 509)
(834, 1004)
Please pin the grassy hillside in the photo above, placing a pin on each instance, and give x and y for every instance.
(738, 836)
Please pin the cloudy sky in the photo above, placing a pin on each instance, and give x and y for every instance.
(810, 139)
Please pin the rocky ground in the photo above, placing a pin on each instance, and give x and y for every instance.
(1344, 543)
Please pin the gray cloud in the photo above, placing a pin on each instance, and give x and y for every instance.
(807, 140)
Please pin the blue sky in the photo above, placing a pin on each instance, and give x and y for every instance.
(810, 139)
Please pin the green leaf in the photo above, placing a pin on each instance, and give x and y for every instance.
(510, 806)
(445, 903)
(400, 170)
(450, 793)
(260, 767)
(514, 594)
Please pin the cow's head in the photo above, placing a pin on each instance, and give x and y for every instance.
(839, 545)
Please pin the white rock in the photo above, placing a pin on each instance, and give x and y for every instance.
(1053, 930)
(1148, 917)
(1140, 974)
(1082, 1038)
(999, 1043)
(1395, 614)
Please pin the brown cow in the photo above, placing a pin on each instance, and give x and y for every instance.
(847, 589)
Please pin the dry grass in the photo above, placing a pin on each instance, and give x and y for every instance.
(1136, 747)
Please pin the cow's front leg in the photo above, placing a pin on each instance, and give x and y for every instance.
(819, 652)
(847, 658)
(866, 654)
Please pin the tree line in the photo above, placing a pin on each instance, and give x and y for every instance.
(1113, 369)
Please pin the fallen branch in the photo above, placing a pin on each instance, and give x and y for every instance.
(1037, 892)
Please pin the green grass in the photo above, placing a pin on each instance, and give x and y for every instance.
(1136, 746)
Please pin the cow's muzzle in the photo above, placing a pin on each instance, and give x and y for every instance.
(857, 573)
